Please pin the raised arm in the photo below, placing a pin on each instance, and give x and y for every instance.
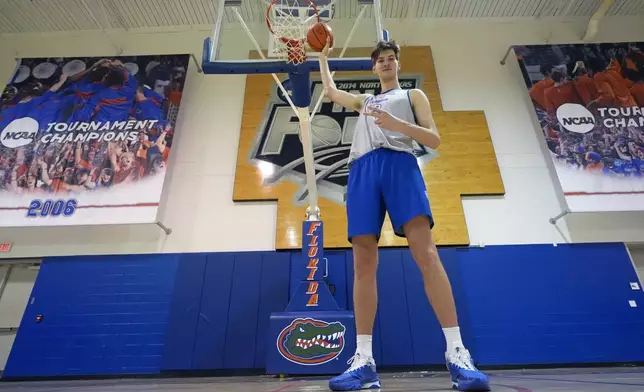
(61, 81)
(81, 75)
(348, 100)
(44, 176)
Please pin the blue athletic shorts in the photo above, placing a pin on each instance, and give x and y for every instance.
(384, 180)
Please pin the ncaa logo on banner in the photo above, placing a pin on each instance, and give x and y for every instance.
(311, 342)
(575, 118)
(20, 132)
(277, 148)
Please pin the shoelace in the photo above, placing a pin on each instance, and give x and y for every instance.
(356, 362)
(462, 359)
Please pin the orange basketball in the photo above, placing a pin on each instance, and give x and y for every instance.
(317, 34)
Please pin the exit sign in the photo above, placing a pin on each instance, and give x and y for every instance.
(5, 247)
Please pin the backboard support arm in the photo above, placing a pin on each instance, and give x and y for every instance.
(214, 49)
(261, 54)
(378, 17)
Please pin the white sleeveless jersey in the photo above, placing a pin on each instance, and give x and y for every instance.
(368, 136)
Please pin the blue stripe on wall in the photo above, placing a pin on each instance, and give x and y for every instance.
(143, 314)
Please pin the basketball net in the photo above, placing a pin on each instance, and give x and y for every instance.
(289, 23)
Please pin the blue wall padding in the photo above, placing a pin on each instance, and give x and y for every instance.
(395, 329)
(273, 297)
(145, 314)
(101, 315)
(565, 304)
(338, 278)
(213, 315)
(184, 314)
(241, 332)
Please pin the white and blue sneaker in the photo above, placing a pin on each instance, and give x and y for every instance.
(465, 376)
(361, 375)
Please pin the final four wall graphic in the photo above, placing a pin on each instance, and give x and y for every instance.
(270, 158)
(589, 100)
(86, 141)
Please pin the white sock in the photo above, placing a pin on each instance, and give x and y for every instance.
(364, 346)
(453, 338)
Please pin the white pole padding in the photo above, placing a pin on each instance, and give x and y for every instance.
(309, 164)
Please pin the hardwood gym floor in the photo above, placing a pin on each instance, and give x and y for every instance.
(560, 380)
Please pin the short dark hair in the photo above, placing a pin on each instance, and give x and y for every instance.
(382, 46)
(97, 74)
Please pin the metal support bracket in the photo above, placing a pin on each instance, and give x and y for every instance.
(194, 58)
(561, 215)
(5, 280)
(163, 227)
(119, 50)
(507, 53)
(221, 8)
(593, 24)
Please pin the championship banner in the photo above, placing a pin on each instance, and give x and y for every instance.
(589, 101)
(86, 141)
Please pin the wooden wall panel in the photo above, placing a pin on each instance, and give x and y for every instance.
(467, 165)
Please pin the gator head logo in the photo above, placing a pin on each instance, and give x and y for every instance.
(311, 342)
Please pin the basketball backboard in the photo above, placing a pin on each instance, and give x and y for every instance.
(251, 13)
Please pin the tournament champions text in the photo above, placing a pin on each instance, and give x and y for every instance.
(118, 131)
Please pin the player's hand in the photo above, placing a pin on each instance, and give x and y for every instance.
(385, 119)
(327, 48)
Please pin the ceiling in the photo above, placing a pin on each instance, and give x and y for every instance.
(28, 16)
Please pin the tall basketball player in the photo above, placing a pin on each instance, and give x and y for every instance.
(384, 176)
